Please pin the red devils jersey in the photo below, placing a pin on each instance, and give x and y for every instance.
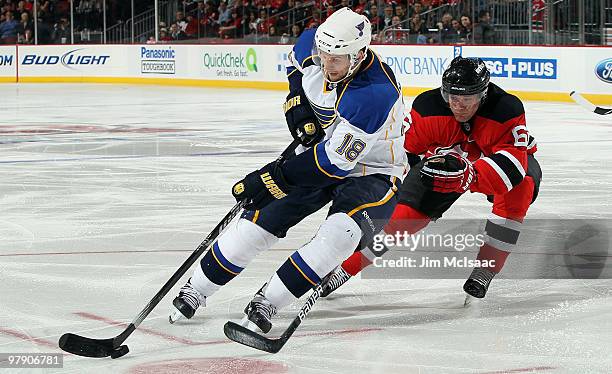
(495, 139)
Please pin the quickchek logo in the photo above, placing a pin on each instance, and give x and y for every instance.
(603, 70)
(251, 60)
(72, 59)
(528, 68)
(231, 64)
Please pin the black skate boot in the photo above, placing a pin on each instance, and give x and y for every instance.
(334, 280)
(259, 312)
(478, 282)
(186, 303)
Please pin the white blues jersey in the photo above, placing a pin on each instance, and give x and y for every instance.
(362, 117)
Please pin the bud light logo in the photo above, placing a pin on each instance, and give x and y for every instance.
(71, 60)
(603, 70)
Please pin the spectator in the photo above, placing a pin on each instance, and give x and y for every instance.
(263, 23)
(277, 6)
(296, 31)
(189, 6)
(394, 35)
(27, 37)
(459, 33)
(191, 31)
(252, 23)
(466, 23)
(484, 33)
(315, 19)
(199, 11)
(8, 29)
(209, 21)
(417, 8)
(272, 32)
(28, 6)
(176, 33)
(375, 20)
(225, 14)
(24, 24)
(360, 7)
(163, 35)
(180, 22)
(387, 18)
(44, 29)
(445, 28)
(400, 11)
(417, 25)
(232, 28)
(61, 32)
(20, 7)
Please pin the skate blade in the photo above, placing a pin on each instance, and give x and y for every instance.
(468, 300)
(175, 316)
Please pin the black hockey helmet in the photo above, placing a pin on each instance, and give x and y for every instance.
(465, 76)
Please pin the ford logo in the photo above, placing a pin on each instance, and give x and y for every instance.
(603, 70)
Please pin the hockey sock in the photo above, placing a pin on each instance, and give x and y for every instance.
(490, 254)
(234, 250)
(334, 241)
(405, 219)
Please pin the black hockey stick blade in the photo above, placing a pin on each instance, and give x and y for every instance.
(242, 335)
(88, 347)
(82, 346)
(580, 100)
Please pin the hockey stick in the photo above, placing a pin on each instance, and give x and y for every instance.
(88, 347)
(242, 335)
(580, 100)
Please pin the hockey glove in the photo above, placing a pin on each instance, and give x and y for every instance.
(448, 173)
(261, 187)
(301, 119)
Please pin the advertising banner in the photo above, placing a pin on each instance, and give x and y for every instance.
(72, 61)
(8, 63)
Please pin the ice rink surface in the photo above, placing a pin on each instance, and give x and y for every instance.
(106, 190)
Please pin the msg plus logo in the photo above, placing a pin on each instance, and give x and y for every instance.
(71, 60)
(529, 68)
(232, 64)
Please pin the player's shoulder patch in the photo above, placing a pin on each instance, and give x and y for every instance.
(303, 48)
(367, 100)
(430, 103)
(501, 106)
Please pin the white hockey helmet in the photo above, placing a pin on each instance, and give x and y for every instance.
(344, 33)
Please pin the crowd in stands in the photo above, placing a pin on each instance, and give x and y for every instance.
(53, 18)
(408, 21)
(393, 21)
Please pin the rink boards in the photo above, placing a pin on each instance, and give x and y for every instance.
(533, 72)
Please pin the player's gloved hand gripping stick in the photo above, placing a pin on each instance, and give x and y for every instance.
(89, 347)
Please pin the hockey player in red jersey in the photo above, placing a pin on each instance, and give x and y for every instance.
(472, 136)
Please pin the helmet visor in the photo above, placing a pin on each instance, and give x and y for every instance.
(463, 99)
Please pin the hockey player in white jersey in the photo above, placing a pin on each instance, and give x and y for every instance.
(345, 107)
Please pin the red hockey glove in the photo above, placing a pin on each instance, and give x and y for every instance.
(448, 173)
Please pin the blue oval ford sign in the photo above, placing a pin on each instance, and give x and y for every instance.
(603, 70)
